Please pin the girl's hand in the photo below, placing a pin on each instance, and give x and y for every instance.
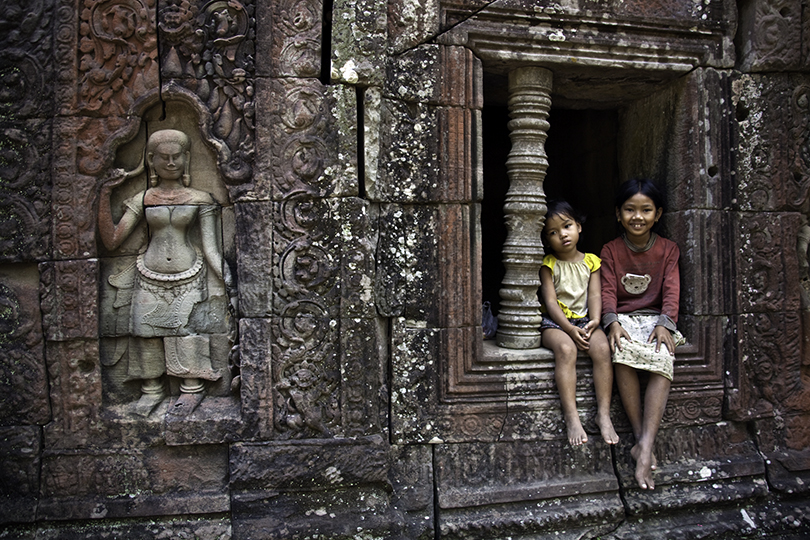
(590, 327)
(661, 335)
(579, 337)
(615, 335)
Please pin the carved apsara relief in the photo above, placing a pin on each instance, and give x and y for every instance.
(166, 305)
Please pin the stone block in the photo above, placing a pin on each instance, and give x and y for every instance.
(427, 264)
(359, 37)
(288, 40)
(772, 133)
(768, 373)
(255, 365)
(766, 261)
(212, 528)
(362, 390)
(28, 60)
(355, 512)
(594, 516)
(549, 481)
(411, 476)
(769, 35)
(159, 481)
(306, 139)
(215, 420)
(74, 371)
(784, 444)
(697, 465)
(706, 262)
(415, 75)
(700, 166)
(254, 255)
(199, 41)
(408, 169)
(338, 488)
(482, 474)
(414, 383)
(320, 464)
(683, 133)
(411, 23)
(25, 196)
(69, 291)
(24, 381)
(20, 452)
(358, 228)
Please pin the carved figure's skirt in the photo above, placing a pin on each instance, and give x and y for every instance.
(163, 303)
(638, 353)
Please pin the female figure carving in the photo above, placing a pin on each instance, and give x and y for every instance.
(167, 286)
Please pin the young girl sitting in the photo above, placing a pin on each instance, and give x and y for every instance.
(640, 295)
(569, 285)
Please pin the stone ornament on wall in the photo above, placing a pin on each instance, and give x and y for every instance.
(173, 296)
(209, 48)
(117, 55)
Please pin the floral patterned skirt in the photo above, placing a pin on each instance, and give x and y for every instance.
(638, 353)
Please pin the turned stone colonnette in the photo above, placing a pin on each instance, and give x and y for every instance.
(524, 211)
(170, 309)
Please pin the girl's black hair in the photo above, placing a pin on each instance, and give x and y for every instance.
(559, 207)
(639, 185)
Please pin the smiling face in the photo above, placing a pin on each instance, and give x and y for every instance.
(169, 160)
(637, 215)
(562, 234)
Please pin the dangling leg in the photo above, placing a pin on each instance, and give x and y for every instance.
(655, 402)
(599, 352)
(565, 373)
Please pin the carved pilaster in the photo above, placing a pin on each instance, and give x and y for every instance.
(524, 211)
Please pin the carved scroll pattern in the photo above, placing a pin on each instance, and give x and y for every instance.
(297, 45)
(301, 134)
(306, 368)
(26, 93)
(798, 189)
(210, 50)
(69, 299)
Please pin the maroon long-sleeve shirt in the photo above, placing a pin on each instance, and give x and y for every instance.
(660, 262)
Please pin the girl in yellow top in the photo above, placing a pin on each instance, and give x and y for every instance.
(570, 287)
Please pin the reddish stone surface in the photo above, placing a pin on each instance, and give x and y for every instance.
(24, 382)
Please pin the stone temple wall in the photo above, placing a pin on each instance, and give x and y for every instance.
(305, 359)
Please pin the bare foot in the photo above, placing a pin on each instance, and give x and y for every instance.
(634, 452)
(606, 427)
(644, 475)
(576, 434)
(644, 467)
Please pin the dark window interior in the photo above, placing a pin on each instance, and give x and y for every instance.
(583, 169)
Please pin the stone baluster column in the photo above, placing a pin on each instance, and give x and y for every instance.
(525, 208)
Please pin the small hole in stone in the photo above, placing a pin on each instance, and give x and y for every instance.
(713, 170)
(742, 112)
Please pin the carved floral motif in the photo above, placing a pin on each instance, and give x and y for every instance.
(117, 55)
(210, 49)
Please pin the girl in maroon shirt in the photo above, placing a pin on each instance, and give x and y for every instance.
(640, 296)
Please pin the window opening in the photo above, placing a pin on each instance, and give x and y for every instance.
(582, 150)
